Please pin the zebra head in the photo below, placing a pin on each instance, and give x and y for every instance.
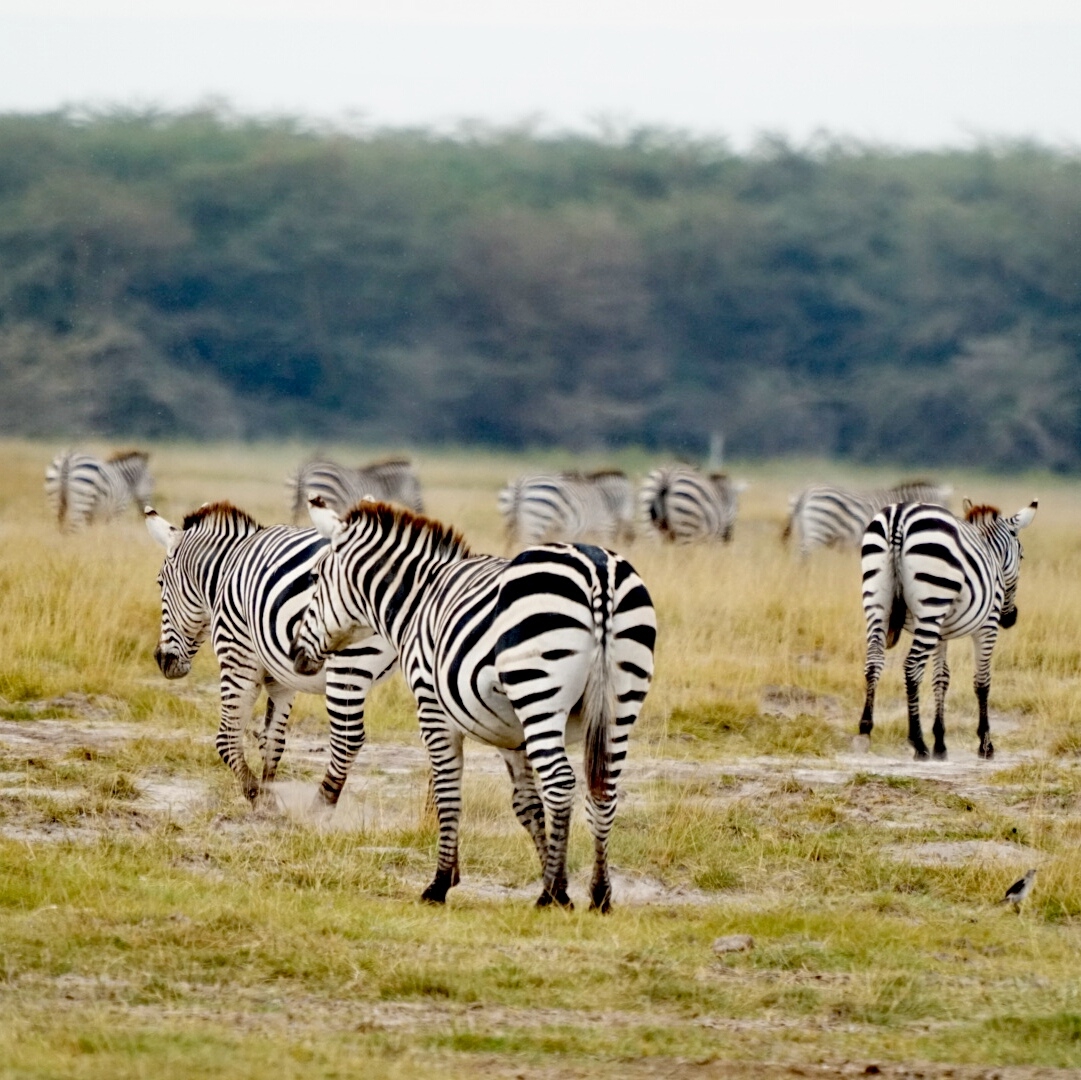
(1001, 534)
(330, 621)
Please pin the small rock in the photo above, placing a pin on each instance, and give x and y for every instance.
(733, 943)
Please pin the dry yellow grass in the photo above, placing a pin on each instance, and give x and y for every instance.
(152, 924)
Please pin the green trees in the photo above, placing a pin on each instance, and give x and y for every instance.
(203, 275)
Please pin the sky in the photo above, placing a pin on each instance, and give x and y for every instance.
(922, 73)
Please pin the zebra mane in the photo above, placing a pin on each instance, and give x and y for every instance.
(382, 463)
(602, 474)
(127, 455)
(220, 512)
(446, 539)
(976, 515)
(922, 482)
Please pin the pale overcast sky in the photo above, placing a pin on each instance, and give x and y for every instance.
(913, 73)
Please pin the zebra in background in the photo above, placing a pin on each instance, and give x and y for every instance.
(568, 506)
(523, 654)
(81, 488)
(245, 586)
(685, 506)
(940, 578)
(392, 480)
(826, 516)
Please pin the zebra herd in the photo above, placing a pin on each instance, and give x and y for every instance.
(528, 653)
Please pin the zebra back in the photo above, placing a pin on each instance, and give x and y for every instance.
(393, 480)
(568, 506)
(685, 506)
(81, 488)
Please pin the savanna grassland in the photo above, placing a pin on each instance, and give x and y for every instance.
(153, 924)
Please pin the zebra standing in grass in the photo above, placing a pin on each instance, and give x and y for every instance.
(523, 654)
(393, 480)
(684, 506)
(825, 516)
(568, 506)
(81, 488)
(246, 586)
(940, 578)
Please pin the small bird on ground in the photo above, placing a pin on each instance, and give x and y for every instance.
(1019, 890)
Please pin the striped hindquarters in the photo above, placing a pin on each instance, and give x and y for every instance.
(81, 488)
(568, 506)
(341, 488)
(686, 506)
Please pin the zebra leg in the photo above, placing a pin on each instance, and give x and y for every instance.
(444, 745)
(346, 697)
(915, 662)
(239, 692)
(548, 756)
(600, 813)
(272, 736)
(984, 643)
(872, 671)
(941, 685)
(526, 800)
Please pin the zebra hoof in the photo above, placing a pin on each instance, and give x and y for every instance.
(436, 893)
(601, 900)
(921, 755)
(559, 898)
(987, 752)
(940, 755)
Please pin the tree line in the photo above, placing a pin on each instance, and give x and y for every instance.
(210, 276)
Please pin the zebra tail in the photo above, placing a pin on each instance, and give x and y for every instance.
(598, 717)
(898, 611)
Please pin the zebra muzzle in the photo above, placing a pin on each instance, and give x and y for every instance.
(171, 665)
(304, 663)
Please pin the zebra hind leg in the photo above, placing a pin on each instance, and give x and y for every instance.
(914, 665)
(526, 800)
(557, 790)
(941, 685)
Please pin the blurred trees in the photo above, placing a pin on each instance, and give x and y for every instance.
(206, 276)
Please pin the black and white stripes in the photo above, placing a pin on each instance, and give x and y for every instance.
(523, 654)
(245, 586)
(939, 577)
(393, 480)
(543, 507)
(686, 506)
(81, 488)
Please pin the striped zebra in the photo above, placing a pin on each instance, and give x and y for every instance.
(81, 488)
(940, 578)
(524, 654)
(245, 586)
(826, 516)
(545, 507)
(686, 506)
(392, 480)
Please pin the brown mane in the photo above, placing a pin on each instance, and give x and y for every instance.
(974, 512)
(220, 511)
(383, 462)
(601, 474)
(124, 455)
(390, 516)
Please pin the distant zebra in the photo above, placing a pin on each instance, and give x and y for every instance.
(940, 578)
(393, 480)
(545, 507)
(525, 654)
(685, 506)
(245, 586)
(81, 488)
(826, 516)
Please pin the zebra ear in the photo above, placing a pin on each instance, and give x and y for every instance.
(326, 521)
(966, 505)
(1024, 517)
(162, 532)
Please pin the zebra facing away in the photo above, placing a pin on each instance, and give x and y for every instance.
(685, 506)
(245, 586)
(523, 654)
(940, 578)
(393, 480)
(81, 488)
(826, 516)
(545, 507)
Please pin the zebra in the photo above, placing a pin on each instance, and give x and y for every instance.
(524, 654)
(392, 480)
(81, 488)
(826, 516)
(940, 578)
(685, 506)
(243, 585)
(544, 507)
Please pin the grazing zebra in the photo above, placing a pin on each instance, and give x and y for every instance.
(568, 506)
(940, 578)
(686, 507)
(523, 654)
(825, 516)
(245, 586)
(81, 488)
(392, 480)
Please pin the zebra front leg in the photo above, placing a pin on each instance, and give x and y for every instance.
(984, 644)
(239, 692)
(444, 746)
(526, 801)
(272, 737)
(941, 685)
(548, 756)
(346, 696)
